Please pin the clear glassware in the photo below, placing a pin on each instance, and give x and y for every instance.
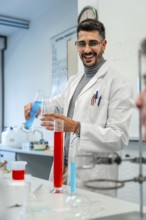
(58, 156)
(18, 170)
(18, 192)
(77, 203)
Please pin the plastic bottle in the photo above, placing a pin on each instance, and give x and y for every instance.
(35, 108)
(9, 137)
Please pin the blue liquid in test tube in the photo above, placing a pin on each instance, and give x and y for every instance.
(33, 112)
(73, 177)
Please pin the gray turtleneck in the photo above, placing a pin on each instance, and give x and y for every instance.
(89, 73)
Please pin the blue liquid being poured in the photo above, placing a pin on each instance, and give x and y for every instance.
(33, 112)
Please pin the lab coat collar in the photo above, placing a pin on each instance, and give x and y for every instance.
(101, 73)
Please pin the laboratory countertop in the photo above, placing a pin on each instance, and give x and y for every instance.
(45, 205)
(48, 152)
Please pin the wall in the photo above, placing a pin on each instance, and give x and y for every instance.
(28, 58)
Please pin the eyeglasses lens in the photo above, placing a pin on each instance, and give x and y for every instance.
(91, 43)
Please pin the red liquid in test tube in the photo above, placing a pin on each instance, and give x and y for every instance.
(58, 159)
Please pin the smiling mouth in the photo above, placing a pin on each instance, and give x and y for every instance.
(88, 56)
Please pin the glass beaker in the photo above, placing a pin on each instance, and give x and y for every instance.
(35, 108)
(77, 204)
(58, 156)
(18, 170)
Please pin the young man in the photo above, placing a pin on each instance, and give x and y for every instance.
(97, 105)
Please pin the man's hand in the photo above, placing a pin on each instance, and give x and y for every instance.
(27, 109)
(47, 119)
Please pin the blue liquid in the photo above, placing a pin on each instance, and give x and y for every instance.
(33, 112)
(73, 177)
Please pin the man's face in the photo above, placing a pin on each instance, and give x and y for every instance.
(90, 54)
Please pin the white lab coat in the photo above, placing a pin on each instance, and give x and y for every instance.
(104, 128)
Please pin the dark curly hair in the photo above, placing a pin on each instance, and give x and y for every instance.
(92, 25)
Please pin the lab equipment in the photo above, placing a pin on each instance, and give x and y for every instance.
(18, 170)
(73, 176)
(17, 188)
(9, 137)
(77, 204)
(35, 108)
(58, 156)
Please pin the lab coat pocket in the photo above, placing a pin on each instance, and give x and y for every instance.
(99, 111)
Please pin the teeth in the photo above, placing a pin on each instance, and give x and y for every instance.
(88, 56)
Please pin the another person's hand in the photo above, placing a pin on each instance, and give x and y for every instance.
(141, 104)
(47, 119)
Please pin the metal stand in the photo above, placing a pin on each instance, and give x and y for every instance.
(140, 143)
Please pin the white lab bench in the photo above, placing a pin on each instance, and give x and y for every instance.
(39, 162)
(53, 206)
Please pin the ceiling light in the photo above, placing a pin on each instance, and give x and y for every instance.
(14, 22)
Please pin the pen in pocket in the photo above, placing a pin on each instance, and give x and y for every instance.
(99, 100)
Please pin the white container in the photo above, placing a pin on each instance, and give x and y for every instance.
(9, 137)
